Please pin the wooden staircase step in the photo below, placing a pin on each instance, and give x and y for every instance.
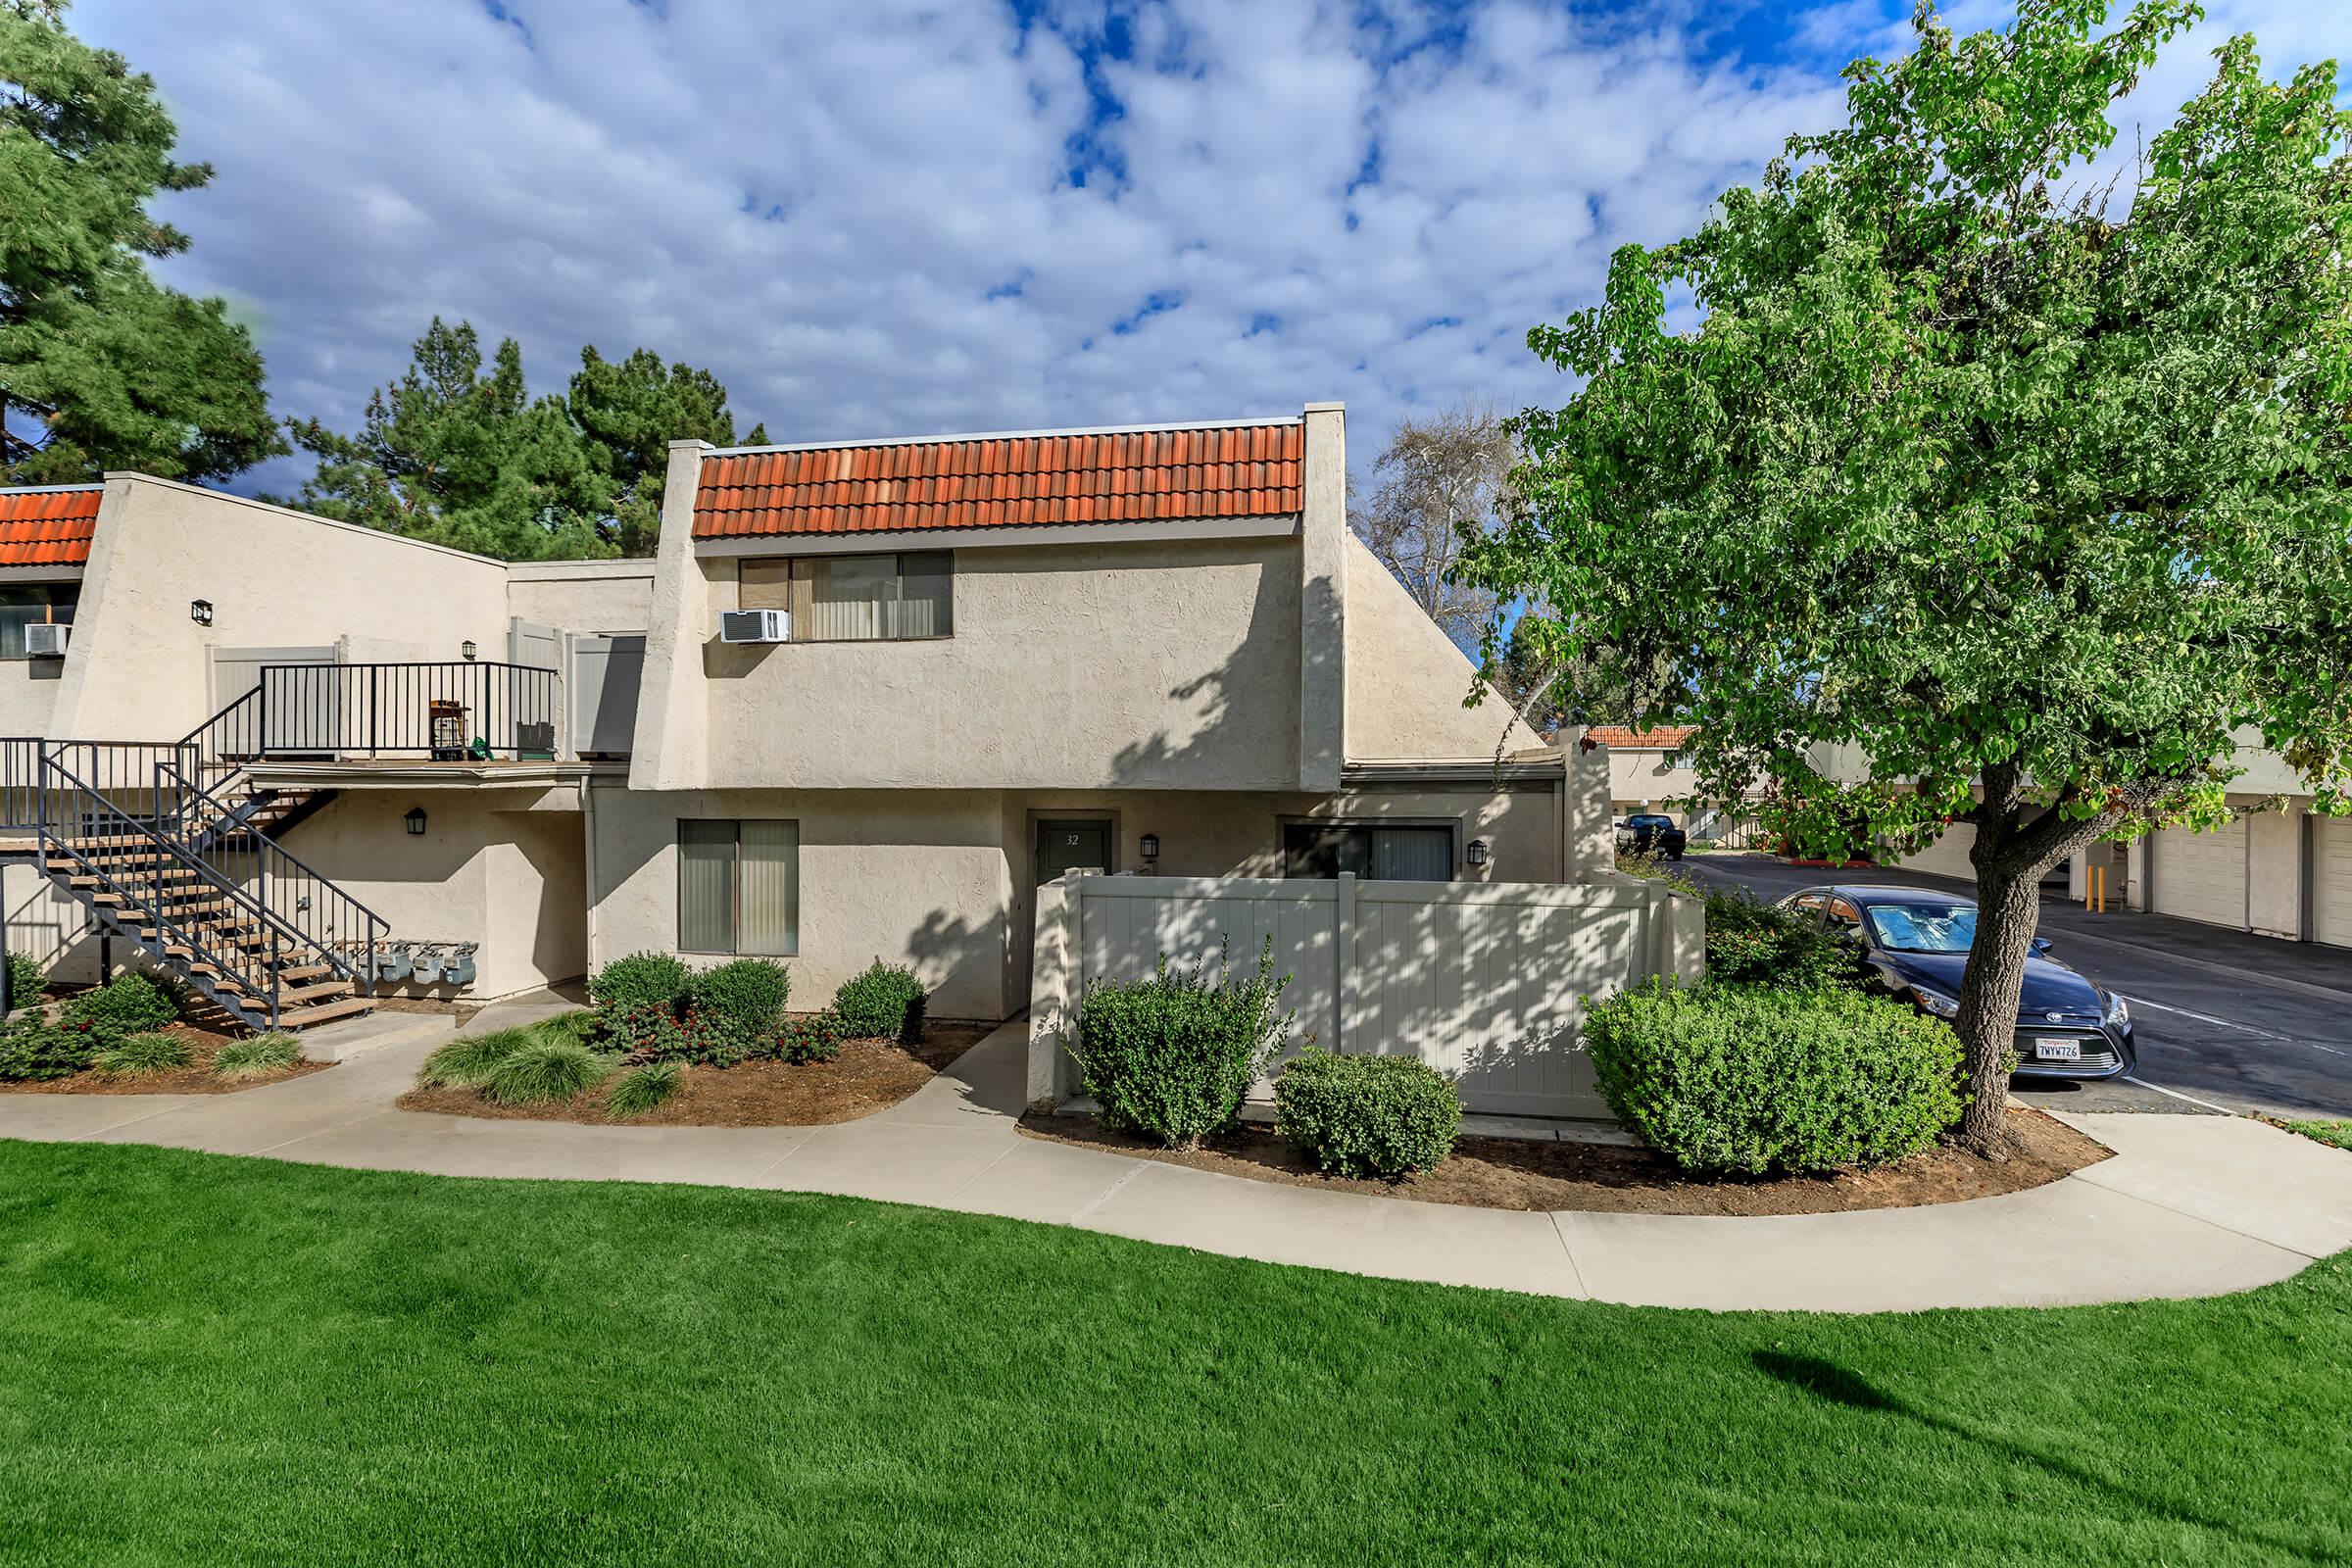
(325, 1012)
(300, 996)
(306, 972)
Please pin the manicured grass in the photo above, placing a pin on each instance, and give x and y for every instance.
(2336, 1133)
(220, 1360)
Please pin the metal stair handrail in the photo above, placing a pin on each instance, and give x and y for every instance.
(276, 869)
(93, 817)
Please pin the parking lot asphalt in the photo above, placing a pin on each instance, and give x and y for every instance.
(2224, 1020)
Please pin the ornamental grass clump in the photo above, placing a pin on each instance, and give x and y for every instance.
(883, 1002)
(644, 1089)
(1746, 1080)
(135, 1055)
(1171, 1057)
(462, 1063)
(543, 1070)
(1368, 1116)
(256, 1057)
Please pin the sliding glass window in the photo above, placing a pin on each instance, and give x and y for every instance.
(33, 606)
(739, 887)
(857, 599)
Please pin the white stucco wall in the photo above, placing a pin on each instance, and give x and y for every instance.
(1406, 680)
(585, 595)
(1155, 664)
(138, 666)
(1641, 781)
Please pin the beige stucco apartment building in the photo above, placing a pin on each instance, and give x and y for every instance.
(992, 659)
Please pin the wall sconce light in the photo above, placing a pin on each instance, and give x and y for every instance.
(415, 821)
(200, 611)
(1477, 853)
(1151, 845)
(467, 649)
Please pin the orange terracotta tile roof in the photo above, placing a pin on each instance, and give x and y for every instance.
(1664, 739)
(1237, 471)
(48, 527)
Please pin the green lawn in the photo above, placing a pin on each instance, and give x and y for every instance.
(220, 1360)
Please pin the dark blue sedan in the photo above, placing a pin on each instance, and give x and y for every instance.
(1915, 943)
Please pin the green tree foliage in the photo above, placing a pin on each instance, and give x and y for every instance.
(2027, 497)
(100, 368)
(460, 453)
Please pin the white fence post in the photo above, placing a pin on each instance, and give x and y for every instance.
(1054, 982)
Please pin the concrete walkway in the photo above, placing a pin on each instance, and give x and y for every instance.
(2188, 1205)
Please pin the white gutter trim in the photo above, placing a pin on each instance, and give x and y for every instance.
(51, 489)
(999, 536)
(52, 572)
(1011, 436)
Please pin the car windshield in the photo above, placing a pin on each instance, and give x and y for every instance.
(1925, 927)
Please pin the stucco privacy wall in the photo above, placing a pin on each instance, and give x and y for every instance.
(1407, 679)
(488, 869)
(50, 928)
(136, 666)
(29, 689)
(1156, 662)
(583, 596)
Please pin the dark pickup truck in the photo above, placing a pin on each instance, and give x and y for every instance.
(1651, 835)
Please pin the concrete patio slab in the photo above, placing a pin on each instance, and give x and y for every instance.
(347, 1038)
(2244, 1170)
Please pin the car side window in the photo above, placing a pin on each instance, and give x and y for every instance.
(1811, 905)
(1844, 919)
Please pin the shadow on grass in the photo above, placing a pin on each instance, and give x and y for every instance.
(1826, 1380)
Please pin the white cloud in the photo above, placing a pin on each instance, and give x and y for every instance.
(818, 200)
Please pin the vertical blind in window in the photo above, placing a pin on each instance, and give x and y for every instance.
(739, 887)
(857, 598)
(1385, 853)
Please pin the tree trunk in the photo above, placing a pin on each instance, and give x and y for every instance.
(2008, 907)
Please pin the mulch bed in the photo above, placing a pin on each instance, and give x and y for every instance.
(869, 1075)
(196, 1078)
(1512, 1173)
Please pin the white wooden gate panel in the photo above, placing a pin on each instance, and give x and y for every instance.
(2202, 876)
(2332, 880)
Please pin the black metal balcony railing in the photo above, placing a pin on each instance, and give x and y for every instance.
(444, 712)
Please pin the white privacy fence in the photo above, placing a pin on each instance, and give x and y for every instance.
(1483, 981)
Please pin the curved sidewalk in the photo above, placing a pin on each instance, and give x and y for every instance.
(2190, 1206)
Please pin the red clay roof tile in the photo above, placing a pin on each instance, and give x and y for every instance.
(1665, 738)
(1006, 481)
(48, 527)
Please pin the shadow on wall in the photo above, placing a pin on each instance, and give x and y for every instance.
(1221, 744)
(960, 956)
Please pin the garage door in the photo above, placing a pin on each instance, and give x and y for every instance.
(2202, 877)
(1948, 856)
(2332, 880)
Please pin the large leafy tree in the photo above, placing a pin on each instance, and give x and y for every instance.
(1441, 477)
(100, 368)
(459, 453)
(2021, 487)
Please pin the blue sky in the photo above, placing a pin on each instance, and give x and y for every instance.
(881, 218)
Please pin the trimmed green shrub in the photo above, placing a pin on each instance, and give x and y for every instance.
(642, 1088)
(34, 1051)
(24, 981)
(1171, 1057)
(1379, 1116)
(545, 1069)
(464, 1062)
(649, 1031)
(252, 1058)
(642, 977)
(751, 992)
(883, 1002)
(1749, 1079)
(142, 1053)
(1753, 942)
(810, 1037)
(127, 1005)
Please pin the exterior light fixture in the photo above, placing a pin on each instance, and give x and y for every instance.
(1151, 845)
(415, 821)
(1477, 853)
(200, 611)
(467, 649)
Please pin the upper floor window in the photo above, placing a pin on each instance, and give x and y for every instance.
(857, 599)
(30, 606)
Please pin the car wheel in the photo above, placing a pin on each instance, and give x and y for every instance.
(1674, 855)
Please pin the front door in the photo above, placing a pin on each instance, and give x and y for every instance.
(1066, 843)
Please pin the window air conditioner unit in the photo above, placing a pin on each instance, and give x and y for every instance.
(754, 627)
(46, 639)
